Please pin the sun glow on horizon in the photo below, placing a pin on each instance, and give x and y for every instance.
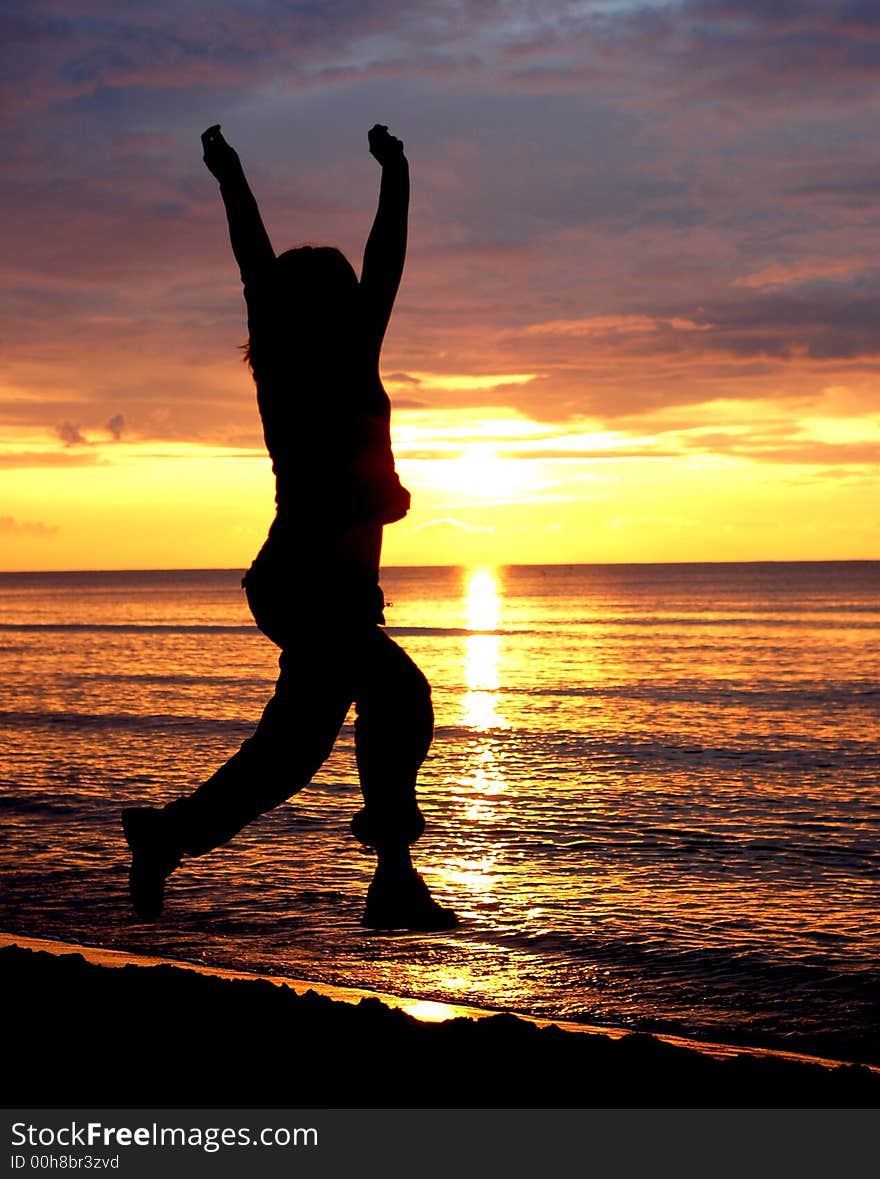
(488, 485)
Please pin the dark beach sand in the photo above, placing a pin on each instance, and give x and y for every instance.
(86, 1034)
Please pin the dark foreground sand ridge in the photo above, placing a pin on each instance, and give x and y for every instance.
(83, 1034)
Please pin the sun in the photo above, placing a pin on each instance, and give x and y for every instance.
(481, 473)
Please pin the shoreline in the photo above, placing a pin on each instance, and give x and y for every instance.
(97, 1026)
(422, 1010)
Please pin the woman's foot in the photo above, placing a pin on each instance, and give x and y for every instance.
(153, 859)
(402, 901)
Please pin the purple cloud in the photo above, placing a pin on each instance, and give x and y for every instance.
(627, 165)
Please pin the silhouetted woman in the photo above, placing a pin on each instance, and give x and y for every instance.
(315, 333)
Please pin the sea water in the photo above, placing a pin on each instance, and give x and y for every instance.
(653, 797)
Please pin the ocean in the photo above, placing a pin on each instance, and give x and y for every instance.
(653, 797)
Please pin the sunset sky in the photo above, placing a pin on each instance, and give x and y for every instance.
(639, 319)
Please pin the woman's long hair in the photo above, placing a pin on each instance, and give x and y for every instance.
(312, 311)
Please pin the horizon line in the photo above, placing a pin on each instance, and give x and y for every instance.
(468, 565)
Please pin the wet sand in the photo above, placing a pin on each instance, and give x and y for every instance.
(115, 1031)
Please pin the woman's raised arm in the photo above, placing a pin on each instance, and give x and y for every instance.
(386, 246)
(250, 241)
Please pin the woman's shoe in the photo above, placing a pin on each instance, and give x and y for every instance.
(405, 904)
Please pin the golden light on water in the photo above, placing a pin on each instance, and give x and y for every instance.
(482, 652)
(481, 676)
(482, 601)
(430, 1012)
(482, 786)
(486, 779)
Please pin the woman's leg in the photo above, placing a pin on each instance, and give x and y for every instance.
(295, 735)
(293, 739)
(393, 732)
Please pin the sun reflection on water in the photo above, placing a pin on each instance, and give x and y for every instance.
(482, 788)
(482, 601)
(482, 652)
(429, 1012)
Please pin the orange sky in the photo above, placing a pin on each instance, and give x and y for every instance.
(638, 320)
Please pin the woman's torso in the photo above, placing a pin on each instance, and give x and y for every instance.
(326, 423)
